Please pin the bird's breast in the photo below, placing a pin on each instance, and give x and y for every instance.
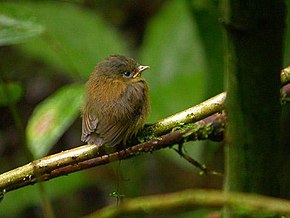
(104, 89)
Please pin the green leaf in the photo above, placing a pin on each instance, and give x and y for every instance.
(174, 52)
(75, 40)
(177, 78)
(17, 24)
(52, 117)
(10, 93)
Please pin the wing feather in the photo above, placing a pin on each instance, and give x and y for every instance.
(89, 125)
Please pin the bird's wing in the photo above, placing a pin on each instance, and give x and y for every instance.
(113, 133)
(89, 125)
(115, 121)
(103, 126)
(130, 107)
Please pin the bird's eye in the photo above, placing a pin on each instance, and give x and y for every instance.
(127, 74)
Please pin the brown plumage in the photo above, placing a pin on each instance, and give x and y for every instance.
(117, 102)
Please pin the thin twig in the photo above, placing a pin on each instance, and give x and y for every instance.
(202, 167)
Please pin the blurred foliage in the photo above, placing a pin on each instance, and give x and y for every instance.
(10, 93)
(75, 39)
(17, 24)
(173, 50)
(52, 117)
(28, 197)
(59, 45)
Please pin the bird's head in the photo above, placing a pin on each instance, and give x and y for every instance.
(120, 67)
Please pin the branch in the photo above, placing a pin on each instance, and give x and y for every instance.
(179, 128)
(87, 156)
(285, 76)
(191, 115)
(190, 199)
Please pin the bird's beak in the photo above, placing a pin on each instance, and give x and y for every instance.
(140, 70)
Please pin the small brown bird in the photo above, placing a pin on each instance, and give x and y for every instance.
(117, 102)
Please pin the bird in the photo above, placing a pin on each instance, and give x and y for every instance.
(117, 102)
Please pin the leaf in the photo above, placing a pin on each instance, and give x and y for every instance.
(75, 40)
(177, 78)
(174, 52)
(10, 93)
(17, 24)
(52, 117)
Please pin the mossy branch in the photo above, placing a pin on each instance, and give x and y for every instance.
(87, 156)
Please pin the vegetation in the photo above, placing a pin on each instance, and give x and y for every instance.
(49, 48)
